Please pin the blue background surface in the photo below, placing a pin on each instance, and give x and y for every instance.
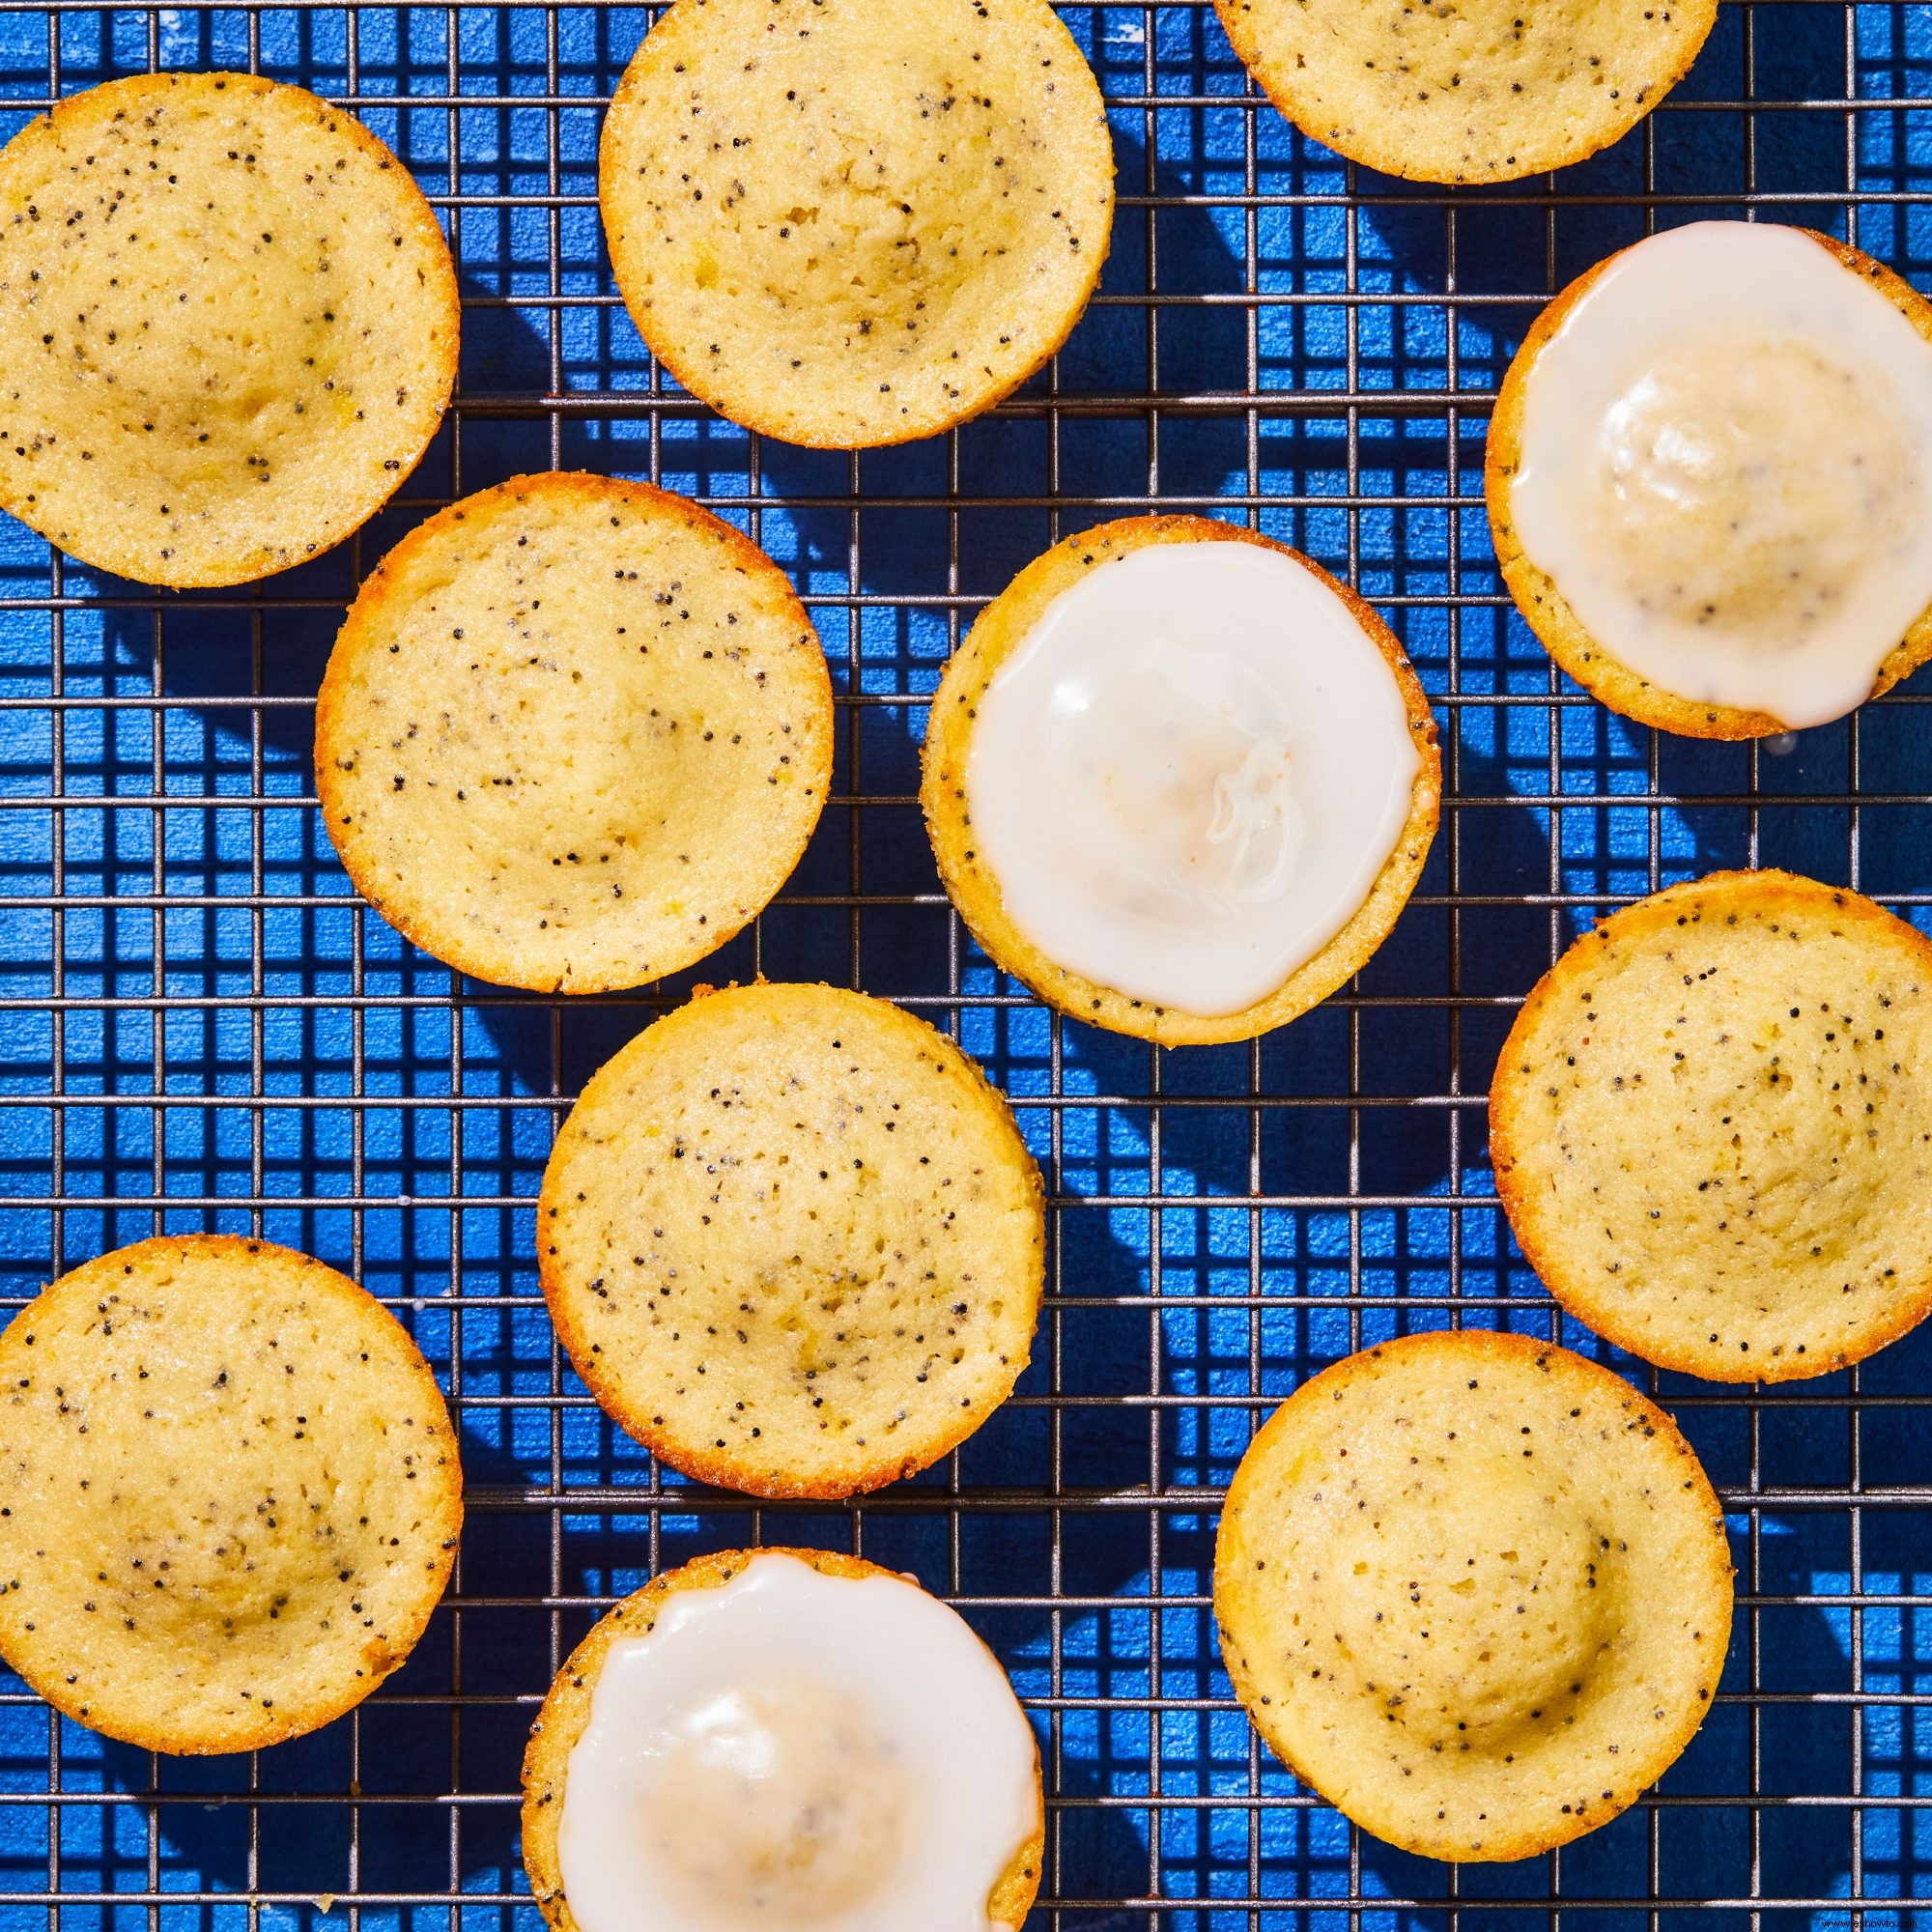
(200, 1026)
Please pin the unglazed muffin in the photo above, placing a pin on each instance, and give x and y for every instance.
(1487, 90)
(1118, 773)
(1712, 1132)
(228, 327)
(847, 223)
(823, 1830)
(793, 1241)
(574, 734)
(233, 1495)
(1475, 1590)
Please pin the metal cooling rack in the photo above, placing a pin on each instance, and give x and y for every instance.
(200, 1026)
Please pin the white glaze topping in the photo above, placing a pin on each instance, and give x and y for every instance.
(1723, 470)
(797, 1752)
(1188, 776)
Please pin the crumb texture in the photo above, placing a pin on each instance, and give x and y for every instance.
(1467, 90)
(574, 736)
(1474, 1589)
(228, 327)
(1713, 1130)
(232, 1493)
(1002, 628)
(566, 1710)
(846, 223)
(793, 1241)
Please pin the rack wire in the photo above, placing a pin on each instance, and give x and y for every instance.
(199, 1026)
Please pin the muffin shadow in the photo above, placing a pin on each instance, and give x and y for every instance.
(238, 1825)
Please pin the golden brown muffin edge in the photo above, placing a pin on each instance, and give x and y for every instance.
(787, 423)
(1392, 150)
(441, 372)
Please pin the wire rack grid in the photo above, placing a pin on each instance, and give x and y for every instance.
(200, 1026)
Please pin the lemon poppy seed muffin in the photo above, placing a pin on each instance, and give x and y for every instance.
(820, 1675)
(1489, 90)
(849, 223)
(793, 1241)
(1179, 781)
(232, 1493)
(228, 327)
(1475, 1590)
(574, 734)
(1712, 1128)
(1705, 482)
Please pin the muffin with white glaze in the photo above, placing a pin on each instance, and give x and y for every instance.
(772, 1738)
(1179, 781)
(1710, 479)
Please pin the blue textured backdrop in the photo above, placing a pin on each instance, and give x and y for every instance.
(201, 1028)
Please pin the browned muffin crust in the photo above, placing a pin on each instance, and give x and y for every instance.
(849, 223)
(575, 733)
(1478, 91)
